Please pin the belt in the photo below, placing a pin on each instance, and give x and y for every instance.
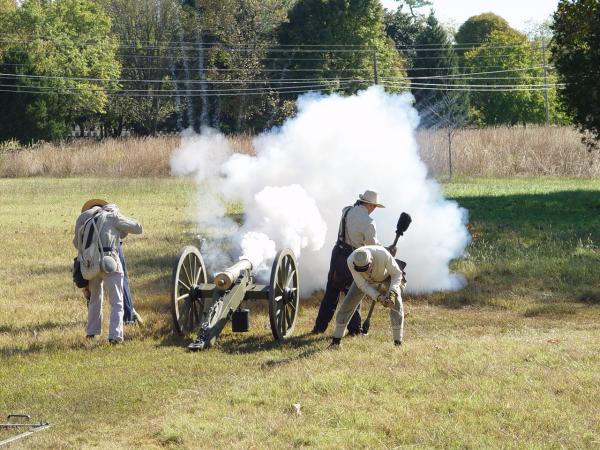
(345, 246)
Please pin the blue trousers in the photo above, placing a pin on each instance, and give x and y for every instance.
(332, 294)
(127, 300)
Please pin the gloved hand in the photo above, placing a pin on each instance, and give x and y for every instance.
(385, 300)
(392, 250)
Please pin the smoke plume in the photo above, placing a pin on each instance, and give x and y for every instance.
(307, 170)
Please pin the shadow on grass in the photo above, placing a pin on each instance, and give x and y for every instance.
(255, 344)
(528, 244)
(565, 210)
(590, 297)
(53, 346)
(37, 328)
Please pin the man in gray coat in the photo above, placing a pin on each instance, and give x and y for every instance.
(357, 228)
(376, 275)
(114, 226)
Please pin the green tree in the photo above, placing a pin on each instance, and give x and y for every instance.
(512, 92)
(147, 30)
(434, 74)
(477, 30)
(243, 32)
(434, 79)
(576, 56)
(7, 10)
(60, 45)
(332, 26)
(403, 27)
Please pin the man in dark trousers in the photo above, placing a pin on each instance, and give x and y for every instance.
(357, 229)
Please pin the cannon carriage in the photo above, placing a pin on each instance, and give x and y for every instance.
(205, 308)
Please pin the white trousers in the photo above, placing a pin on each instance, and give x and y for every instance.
(114, 285)
(348, 306)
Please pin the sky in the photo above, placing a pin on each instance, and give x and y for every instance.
(516, 12)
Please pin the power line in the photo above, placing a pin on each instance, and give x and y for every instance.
(294, 59)
(184, 91)
(280, 81)
(451, 87)
(210, 70)
(300, 48)
(170, 81)
(282, 90)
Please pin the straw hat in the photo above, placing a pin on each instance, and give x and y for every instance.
(361, 258)
(93, 202)
(371, 197)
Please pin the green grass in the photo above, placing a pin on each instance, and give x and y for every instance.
(511, 361)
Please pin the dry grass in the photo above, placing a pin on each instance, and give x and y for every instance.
(510, 151)
(510, 362)
(495, 152)
(127, 157)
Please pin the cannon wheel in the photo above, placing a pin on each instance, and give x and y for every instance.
(186, 306)
(283, 294)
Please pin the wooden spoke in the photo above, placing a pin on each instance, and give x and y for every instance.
(283, 294)
(199, 272)
(289, 279)
(187, 274)
(186, 306)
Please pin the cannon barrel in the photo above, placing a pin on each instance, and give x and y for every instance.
(224, 280)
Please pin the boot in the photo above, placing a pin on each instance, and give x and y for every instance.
(335, 343)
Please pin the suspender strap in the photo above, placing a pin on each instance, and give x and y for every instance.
(342, 232)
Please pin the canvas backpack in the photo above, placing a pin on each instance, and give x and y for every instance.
(90, 247)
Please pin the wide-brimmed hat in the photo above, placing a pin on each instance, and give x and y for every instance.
(93, 202)
(361, 259)
(371, 197)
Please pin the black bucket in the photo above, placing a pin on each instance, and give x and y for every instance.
(240, 320)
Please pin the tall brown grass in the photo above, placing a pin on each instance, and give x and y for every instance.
(509, 151)
(499, 152)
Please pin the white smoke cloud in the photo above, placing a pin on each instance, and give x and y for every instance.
(307, 170)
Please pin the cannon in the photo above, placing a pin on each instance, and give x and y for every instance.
(205, 308)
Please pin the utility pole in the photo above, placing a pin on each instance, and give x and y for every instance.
(375, 74)
(545, 84)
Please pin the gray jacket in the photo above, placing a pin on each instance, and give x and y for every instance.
(360, 227)
(116, 227)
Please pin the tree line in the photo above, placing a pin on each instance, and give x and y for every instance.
(153, 66)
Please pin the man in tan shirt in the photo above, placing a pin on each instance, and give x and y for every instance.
(376, 274)
(357, 228)
(113, 226)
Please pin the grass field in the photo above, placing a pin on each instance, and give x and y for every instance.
(511, 361)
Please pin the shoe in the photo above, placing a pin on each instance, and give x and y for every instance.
(354, 332)
(114, 342)
(335, 343)
(397, 343)
(90, 336)
(137, 318)
(316, 331)
(364, 332)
